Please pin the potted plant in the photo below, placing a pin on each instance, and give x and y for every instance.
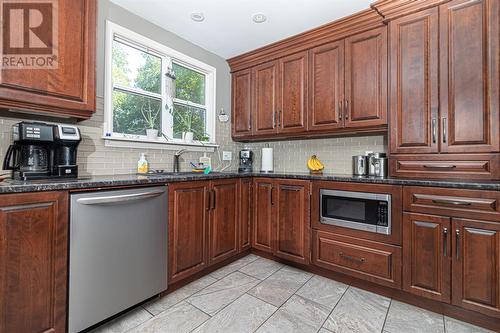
(150, 117)
(185, 122)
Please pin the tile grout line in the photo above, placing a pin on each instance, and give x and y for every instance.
(279, 307)
(258, 257)
(331, 311)
(386, 315)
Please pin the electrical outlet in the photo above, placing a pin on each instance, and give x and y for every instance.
(227, 155)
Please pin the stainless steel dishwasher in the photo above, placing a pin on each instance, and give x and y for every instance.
(118, 252)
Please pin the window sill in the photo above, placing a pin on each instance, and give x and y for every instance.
(116, 142)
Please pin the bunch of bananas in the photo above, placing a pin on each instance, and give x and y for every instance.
(314, 164)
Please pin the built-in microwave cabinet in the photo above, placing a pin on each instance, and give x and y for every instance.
(395, 191)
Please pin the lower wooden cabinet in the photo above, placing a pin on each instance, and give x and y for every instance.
(245, 213)
(33, 262)
(282, 218)
(187, 229)
(367, 260)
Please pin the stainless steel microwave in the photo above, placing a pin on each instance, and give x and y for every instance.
(356, 210)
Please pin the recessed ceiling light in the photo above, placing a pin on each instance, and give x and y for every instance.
(259, 18)
(197, 17)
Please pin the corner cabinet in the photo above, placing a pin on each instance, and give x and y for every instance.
(282, 218)
(33, 262)
(69, 89)
(444, 95)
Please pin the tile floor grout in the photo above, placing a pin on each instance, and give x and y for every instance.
(336, 303)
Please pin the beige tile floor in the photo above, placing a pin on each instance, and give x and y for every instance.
(255, 294)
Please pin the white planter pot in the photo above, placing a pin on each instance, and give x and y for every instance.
(187, 137)
(152, 134)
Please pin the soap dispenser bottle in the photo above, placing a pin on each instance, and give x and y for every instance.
(142, 164)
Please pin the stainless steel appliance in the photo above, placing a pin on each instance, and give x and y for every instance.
(246, 160)
(41, 150)
(359, 165)
(377, 164)
(356, 210)
(118, 252)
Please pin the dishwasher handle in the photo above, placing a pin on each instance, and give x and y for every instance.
(119, 198)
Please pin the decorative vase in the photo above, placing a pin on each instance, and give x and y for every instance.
(187, 137)
(152, 134)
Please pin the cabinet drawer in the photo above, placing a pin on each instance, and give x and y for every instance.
(367, 260)
(450, 202)
(480, 166)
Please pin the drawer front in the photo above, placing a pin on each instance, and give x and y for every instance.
(481, 166)
(367, 260)
(475, 204)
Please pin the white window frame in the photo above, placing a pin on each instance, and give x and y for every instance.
(168, 56)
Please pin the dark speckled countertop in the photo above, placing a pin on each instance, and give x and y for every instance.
(12, 186)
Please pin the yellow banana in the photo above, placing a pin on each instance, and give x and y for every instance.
(314, 164)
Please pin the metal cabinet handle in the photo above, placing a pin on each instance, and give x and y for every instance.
(340, 111)
(279, 118)
(351, 258)
(119, 198)
(457, 243)
(272, 195)
(445, 242)
(209, 197)
(440, 166)
(274, 119)
(346, 109)
(434, 130)
(451, 202)
(445, 134)
(214, 198)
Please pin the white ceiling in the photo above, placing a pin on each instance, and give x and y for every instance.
(228, 29)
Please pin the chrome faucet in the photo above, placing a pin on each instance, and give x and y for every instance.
(176, 159)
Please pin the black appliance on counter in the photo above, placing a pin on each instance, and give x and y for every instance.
(246, 161)
(41, 151)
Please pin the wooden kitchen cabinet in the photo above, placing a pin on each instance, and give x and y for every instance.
(242, 103)
(366, 79)
(292, 112)
(33, 262)
(292, 229)
(68, 89)
(223, 233)
(263, 215)
(189, 209)
(265, 98)
(476, 266)
(245, 213)
(326, 88)
(427, 256)
(414, 99)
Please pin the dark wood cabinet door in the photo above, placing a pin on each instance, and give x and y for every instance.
(469, 76)
(427, 256)
(476, 266)
(326, 87)
(188, 215)
(242, 103)
(245, 213)
(265, 100)
(263, 215)
(292, 112)
(68, 89)
(414, 88)
(223, 233)
(33, 262)
(366, 79)
(292, 220)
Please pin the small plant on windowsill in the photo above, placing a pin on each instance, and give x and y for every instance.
(150, 118)
(190, 124)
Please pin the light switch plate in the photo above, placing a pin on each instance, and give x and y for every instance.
(227, 155)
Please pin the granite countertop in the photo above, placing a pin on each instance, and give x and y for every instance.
(13, 186)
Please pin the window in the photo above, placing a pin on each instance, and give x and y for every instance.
(138, 94)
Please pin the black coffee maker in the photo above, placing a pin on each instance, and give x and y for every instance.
(41, 151)
(246, 161)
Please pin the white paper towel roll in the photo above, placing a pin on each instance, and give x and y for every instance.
(267, 160)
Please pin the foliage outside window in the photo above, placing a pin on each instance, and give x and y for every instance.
(139, 100)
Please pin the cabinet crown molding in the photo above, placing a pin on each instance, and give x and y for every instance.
(392, 9)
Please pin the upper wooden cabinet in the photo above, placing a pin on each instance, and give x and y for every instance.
(414, 70)
(469, 72)
(68, 89)
(265, 98)
(242, 103)
(445, 98)
(33, 262)
(366, 79)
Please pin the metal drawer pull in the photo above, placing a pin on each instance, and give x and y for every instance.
(445, 135)
(445, 241)
(440, 166)
(346, 109)
(340, 110)
(351, 258)
(457, 243)
(119, 198)
(451, 202)
(434, 130)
